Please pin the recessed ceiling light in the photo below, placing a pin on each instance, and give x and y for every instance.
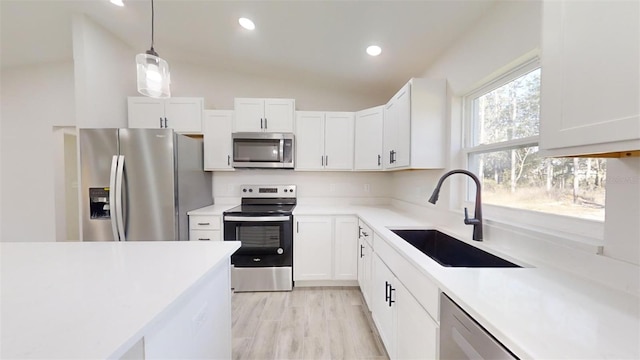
(117, 2)
(374, 50)
(246, 23)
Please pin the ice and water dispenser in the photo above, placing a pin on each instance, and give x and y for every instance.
(99, 203)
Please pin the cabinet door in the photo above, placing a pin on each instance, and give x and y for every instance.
(368, 139)
(416, 332)
(345, 251)
(338, 140)
(279, 115)
(249, 115)
(390, 134)
(312, 248)
(402, 156)
(216, 128)
(309, 140)
(365, 259)
(145, 113)
(590, 77)
(383, 312)
(184, 114)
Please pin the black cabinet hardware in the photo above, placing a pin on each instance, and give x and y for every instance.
(361, 248)
(386, 291)
(391, 290)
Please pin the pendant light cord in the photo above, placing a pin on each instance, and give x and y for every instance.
(152, 21)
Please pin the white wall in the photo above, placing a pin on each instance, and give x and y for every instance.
(105, 74)
(622, 215)
(312, 187)
(509, 33)
(219, 89)
(34, 100)
(510, 30)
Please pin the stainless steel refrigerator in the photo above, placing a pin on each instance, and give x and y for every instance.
(138, 184)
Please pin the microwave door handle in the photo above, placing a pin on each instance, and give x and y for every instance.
(256, 218)
(281, 150)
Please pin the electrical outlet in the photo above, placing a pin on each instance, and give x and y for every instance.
(367, 188)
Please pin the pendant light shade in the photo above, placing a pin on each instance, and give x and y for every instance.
(153, 71)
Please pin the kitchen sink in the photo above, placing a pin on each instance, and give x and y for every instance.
(449, 251)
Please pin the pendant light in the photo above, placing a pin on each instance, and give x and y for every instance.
(153, 71)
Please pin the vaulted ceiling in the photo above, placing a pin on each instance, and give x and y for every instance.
(306, 40)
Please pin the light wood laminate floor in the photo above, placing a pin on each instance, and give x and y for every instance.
(306, 323)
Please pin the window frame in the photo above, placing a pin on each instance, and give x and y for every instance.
(582, 232)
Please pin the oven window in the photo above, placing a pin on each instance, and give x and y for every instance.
(256, 150)
(259, 236)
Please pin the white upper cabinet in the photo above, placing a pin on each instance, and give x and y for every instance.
(264, 115)
(338, 140)
(590, 84)
(414, 126)
(216, 129)
(324, 140)
(368, 139)
(309, 140)
(184, 115)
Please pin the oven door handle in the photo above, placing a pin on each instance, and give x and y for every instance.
(256, 218)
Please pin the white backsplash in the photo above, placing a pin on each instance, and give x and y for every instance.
(312, 187)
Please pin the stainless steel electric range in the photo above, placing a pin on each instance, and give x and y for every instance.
(263, 223)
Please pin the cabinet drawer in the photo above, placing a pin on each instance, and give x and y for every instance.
(205, 235)
(204, 222)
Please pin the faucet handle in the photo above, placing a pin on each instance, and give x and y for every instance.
(469, 221)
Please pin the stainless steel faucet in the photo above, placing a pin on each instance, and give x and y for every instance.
(476, 221)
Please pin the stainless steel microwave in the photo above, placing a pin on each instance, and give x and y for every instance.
(263, 150)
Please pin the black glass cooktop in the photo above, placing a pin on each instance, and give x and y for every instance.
(260, 210)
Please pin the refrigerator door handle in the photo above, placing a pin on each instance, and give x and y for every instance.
(119, 215)
(112, 197)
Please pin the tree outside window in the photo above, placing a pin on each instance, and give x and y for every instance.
(502, 150)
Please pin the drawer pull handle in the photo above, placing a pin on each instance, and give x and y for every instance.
(203, 239)
(204, 223)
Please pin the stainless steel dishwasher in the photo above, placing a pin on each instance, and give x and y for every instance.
(461, 337)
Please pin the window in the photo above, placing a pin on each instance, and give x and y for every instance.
(503, 120)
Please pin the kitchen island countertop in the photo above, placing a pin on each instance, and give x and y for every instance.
(96, 299)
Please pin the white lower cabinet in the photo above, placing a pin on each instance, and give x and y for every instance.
(205, 227)
(382, 309)
(416, 332)
(345, 248)
(365, 258)
(312, 248)
(406, 329)
(325, 248)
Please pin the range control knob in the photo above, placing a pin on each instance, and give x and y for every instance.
(280, 251)
(250, 190)
(244, 190)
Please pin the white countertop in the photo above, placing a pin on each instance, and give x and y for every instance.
(215, 209)
(538, 313)
(94, 299)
